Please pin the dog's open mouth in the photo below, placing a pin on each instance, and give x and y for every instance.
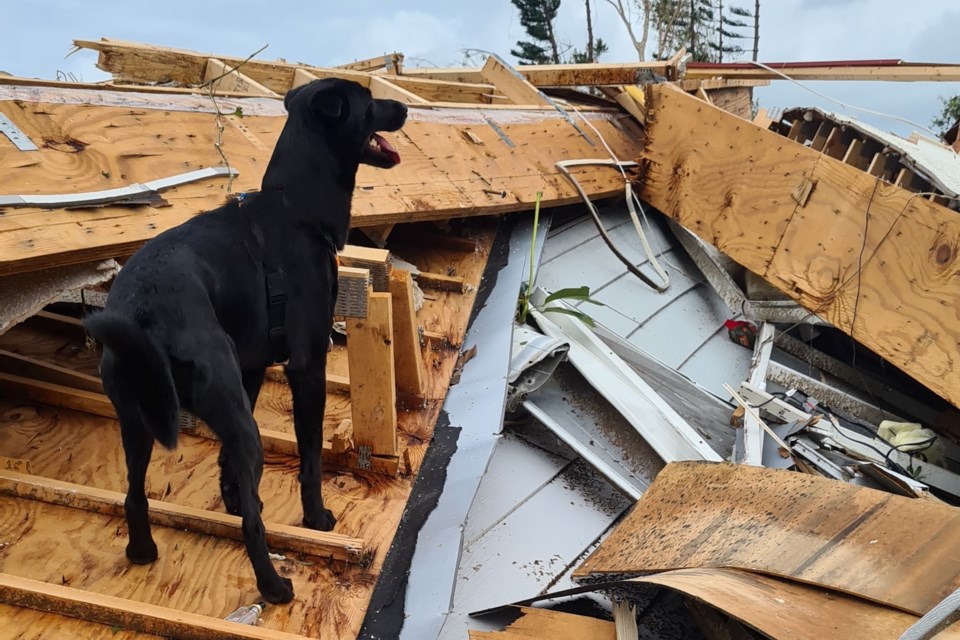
(380, 153)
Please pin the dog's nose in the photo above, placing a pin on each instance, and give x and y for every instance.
(403, 109)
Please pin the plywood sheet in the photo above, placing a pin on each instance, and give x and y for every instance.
(894, 550)
(789, 610)
(877, 261)
(455, 164)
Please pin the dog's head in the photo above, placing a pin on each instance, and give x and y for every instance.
(348, 118)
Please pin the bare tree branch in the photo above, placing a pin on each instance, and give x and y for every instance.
(626, 16)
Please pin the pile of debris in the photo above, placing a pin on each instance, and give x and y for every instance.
(724, 405)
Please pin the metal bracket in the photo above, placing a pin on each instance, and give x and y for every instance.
(17, 137)
(364, 453)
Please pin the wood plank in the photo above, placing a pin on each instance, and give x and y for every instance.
(24, 388)
(407, 354)
(845, 73)
(741, 202)
(382, 88)
(27, 367)
(441, 282)
(127, 614)
(373, 385)
(554, 75)
(785, 609)
(388, 62)
(811, 529)
(230, 79)
(307, 541)
(510, 83)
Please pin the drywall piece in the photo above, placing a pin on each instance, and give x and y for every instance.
(669, 434)
(25, 294)
(815, 530)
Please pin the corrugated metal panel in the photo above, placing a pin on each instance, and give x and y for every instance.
(682, 327)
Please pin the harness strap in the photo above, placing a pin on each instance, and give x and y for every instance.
(276, 314)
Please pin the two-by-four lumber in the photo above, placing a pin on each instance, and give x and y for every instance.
(891, 290)
(27, 367)
(377, 261)
(407, 355)
(127, 614)
(226, 78)
(279, 536)
(555, 75)
(58, 395)
(510, 83)
(373, 385)
(900, 72)
(388, 62)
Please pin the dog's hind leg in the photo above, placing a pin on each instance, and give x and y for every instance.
(137, 447)
(219, 399)
(309, 401)
(229, 489)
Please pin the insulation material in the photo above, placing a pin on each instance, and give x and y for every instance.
(25, 294)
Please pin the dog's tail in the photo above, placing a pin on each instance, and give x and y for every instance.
(142, 371)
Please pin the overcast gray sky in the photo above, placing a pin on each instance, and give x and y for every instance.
(38, 35)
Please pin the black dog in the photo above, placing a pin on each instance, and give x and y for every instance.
(195, 317)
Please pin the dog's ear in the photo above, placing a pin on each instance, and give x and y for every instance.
(329, 104)
(289, 96)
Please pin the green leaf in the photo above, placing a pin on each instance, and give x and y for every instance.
(580, 315)
(572, 293)
(237, 112)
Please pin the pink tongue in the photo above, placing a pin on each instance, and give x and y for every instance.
(387, 148)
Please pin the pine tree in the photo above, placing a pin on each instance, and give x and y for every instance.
(538, 17)
(948, 116)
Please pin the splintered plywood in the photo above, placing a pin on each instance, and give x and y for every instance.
(894, 550)
(551, 625)
(788, 610)
(875, 260)
(456, 163)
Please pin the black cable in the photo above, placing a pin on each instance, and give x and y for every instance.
(630, 266)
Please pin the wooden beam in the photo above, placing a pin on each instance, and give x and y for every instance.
(373, 385)
(382, 88)
(24, 388)
(279, 536)
(233, 80)
(441, 282)
(376, 261)
(555, 75)
(388, 62)
(741, 203)
(26, 367)
(407, 355)
(878, 73)
(130, 615)
(510, 83)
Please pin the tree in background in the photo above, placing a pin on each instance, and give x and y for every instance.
(948, 116)
(704, 27)
(538, 17)
(595, 47)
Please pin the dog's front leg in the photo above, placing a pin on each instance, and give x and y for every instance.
(309, 386)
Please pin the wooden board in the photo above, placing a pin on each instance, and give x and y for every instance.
(30, 624)
(893, 550)
(788, 610)
(444, 173)
(206, 574)
(548, 624)
(732, 184)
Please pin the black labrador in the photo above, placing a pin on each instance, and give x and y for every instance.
(197, 314)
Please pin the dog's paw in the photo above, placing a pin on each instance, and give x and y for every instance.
(281, 592)
(143, 553)
(325, 521)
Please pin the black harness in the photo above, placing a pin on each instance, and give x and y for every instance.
(277, 305)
